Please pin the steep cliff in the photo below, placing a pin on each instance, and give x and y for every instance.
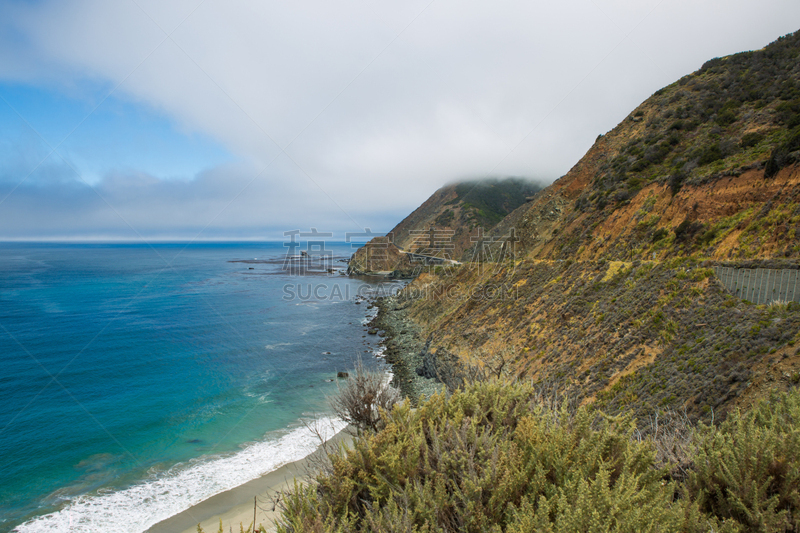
(602, 284)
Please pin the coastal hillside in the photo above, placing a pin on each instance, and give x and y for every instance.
(604, 284)
(445, 225)
(706, 166)
(620, 352)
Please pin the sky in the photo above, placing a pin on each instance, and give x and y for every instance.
(148, 120)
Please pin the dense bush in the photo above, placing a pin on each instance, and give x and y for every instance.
(686, 230)
(445, 219)
(659, 234)
(751, 139)
(491, 458)
(783, 155)
(748, 470)
(675, 182)
(789, 112)
(709, 154)
(726, 117)
(495, 457)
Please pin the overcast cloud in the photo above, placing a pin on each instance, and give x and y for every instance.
(338, 115)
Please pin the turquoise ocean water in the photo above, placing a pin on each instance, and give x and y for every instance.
(138, 380)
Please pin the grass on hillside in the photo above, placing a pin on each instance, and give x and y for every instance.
(635, 336)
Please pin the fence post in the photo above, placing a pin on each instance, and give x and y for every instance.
(749, 283)
(737, 292)
(772, 295)
(758, 282)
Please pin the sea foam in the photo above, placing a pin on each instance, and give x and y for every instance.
(140, 506)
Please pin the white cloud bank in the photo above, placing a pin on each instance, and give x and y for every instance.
(375, 104)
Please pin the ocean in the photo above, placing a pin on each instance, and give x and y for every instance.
(138, 380)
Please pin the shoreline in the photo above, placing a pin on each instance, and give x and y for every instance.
(236, 505)
(404, 348)
(403, 351)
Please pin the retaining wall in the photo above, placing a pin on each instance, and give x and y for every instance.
(761, 285)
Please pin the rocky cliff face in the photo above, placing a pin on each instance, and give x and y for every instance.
(601, 285)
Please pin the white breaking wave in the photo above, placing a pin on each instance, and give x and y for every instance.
(277, 345)
(371, 313)
(143, 505)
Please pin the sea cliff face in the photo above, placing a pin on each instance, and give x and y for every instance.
(603, 285)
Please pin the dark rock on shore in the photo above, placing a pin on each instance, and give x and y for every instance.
(405, 348)
(440, 365)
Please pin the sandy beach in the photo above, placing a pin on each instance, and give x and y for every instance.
(236, 506)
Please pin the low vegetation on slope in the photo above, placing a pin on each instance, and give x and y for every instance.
(497, 457)
(637, 336)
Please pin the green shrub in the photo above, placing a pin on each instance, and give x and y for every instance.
(495, 457)
(660, 234)
(446, 218)
(726, 117)
(686, 230)
(789, 113)
(710, 154)
(751, 139)
(706, 238)
(491, 458)
(784, 154)
(675, 182)
(748, 469)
